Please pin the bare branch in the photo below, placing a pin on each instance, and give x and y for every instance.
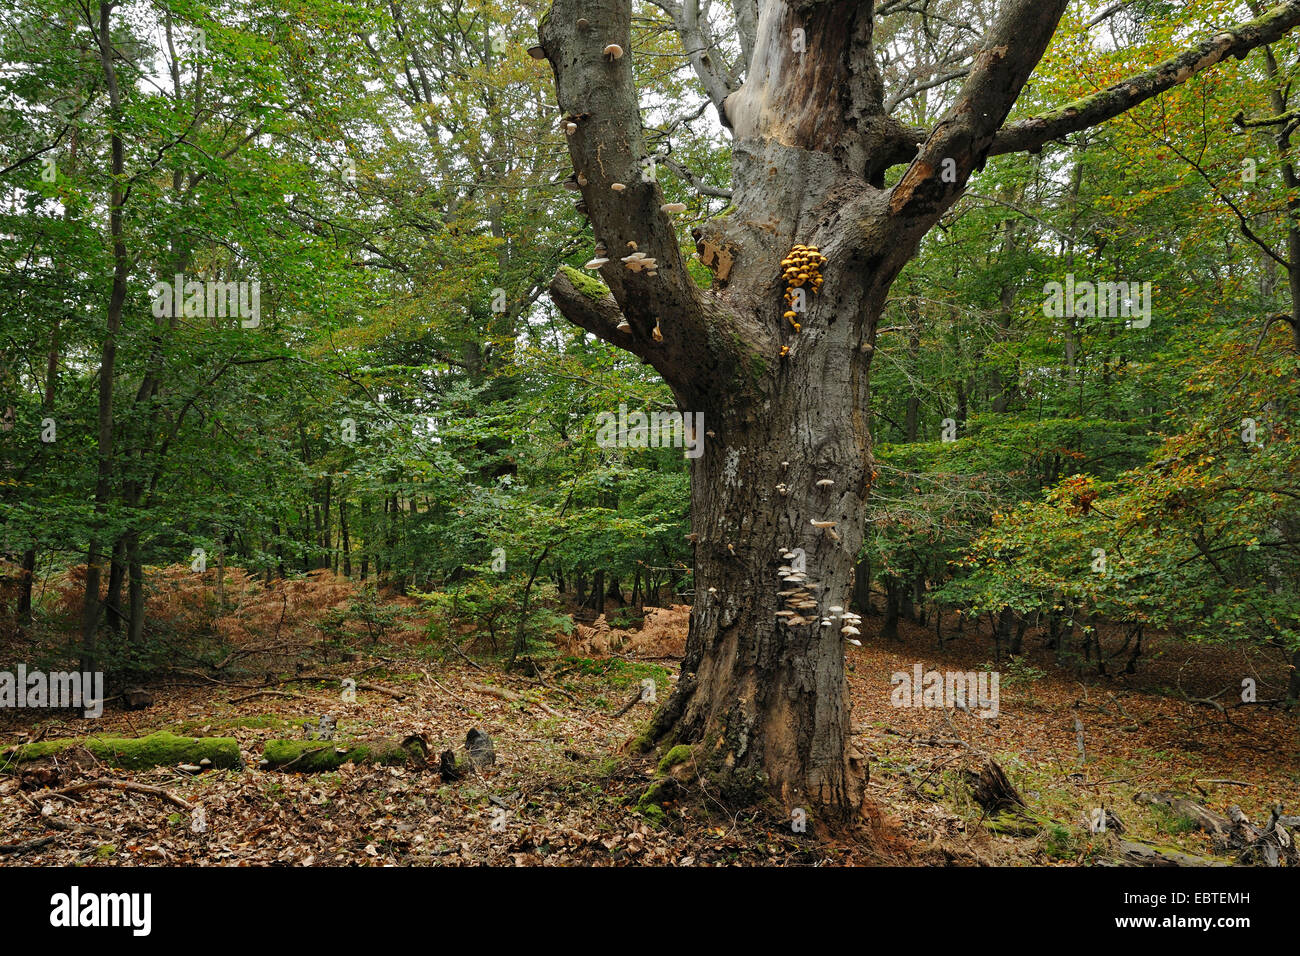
(1031, 134)
(696, 184)
(745, 13)
(701, 51)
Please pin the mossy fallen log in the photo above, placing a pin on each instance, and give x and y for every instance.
(162, 749)
(316, 756)
(1136, 853)
(1018, 822)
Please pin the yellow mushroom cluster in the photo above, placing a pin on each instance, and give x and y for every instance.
(801, 268)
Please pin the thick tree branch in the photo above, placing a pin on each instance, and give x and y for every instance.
(679, 330)
(597, 314)
(1032, 133)
(1239, 120)
(960, 142)
(705, 58)
(746, 19)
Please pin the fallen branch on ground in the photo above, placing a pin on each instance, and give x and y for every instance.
(314, 756)
(508, 695)
(629, 705)
(25, 846)
(127, 785)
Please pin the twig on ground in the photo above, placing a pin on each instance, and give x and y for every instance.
(127, 785)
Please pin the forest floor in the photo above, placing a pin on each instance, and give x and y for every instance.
(563, 790)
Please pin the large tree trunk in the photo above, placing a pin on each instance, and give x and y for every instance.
(785, 407)
(768, 700)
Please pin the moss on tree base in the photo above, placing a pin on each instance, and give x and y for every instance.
(650, 804)
(679, 754)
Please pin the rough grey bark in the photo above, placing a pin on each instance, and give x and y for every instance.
(785, 409)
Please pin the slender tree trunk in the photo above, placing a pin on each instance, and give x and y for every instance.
(912, 414)
(221, 571)
(108, 351)
(135, 590)
(343, 532)
(116, 576)
(893, 600)
(1018, 636)
(24, 609)
(327, 532)
(862, 587)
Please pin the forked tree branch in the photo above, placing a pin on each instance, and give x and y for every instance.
(960, 142)
(705, 58)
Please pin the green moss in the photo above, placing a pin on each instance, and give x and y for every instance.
(1059, 843)
(1170, 821)
(313, 756)
(607, 767)
(641, 744)
(1018, 823)
(617, 673)
(655, 814)
(660, 792)
(255, 722)
(162, 749)
(591, 288)
(700, 273)
(679, 754)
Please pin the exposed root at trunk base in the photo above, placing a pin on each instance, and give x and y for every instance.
(727, 793)
(725, 758)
